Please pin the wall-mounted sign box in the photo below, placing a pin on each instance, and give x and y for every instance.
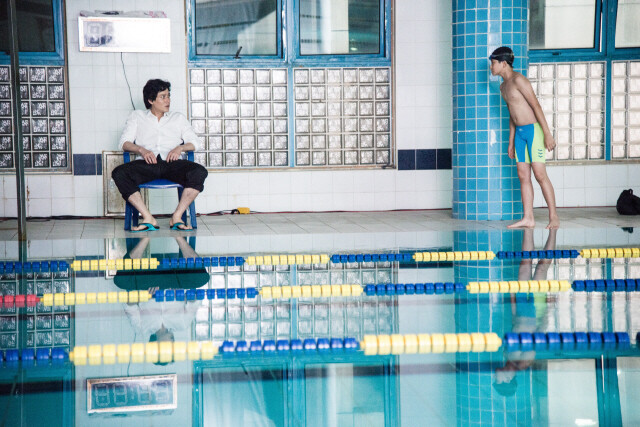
(116, 31)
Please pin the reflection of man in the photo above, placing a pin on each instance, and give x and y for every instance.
(524, 315)
(161, 321)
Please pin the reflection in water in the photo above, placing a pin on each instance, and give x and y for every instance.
(161, 321)
(526, 310)
(336, 388)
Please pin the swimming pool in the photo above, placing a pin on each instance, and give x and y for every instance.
(258, 338)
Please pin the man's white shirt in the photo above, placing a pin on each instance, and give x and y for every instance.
(159, 136)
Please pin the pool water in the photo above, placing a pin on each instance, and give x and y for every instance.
(562, 381)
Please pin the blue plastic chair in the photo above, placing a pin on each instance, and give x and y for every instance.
(131, 214)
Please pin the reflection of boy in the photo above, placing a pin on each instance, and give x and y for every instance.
(524, 315)
(529, 136)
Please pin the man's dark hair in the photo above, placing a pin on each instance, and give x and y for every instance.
(503, 53)
(151, 89)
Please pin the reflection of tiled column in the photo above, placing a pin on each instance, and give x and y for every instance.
(485, 182)
(477, 401)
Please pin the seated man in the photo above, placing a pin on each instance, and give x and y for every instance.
(159, 137)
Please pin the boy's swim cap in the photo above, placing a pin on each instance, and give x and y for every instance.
(503, 54)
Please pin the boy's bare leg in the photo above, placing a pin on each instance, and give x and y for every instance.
(526, 190)
(136, 200)
(188, 196)
(540, 172)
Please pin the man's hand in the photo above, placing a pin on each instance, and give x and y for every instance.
(511, 151)
(148, 156)
(175, 154)
(549, 142)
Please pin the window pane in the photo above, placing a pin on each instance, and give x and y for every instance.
(35, 26)
(553, 24)
(339, 27)
(222, 27)
(628, 24)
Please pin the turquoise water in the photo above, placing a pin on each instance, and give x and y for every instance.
(533, 386)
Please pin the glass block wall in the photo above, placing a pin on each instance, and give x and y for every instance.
(242, 116)
(625, 116)
(305, 117)
(255, 319)
(572, 96)
(39, 326)
(342, 116)
(45, 119)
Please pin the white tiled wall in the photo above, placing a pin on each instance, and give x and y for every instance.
(100, 104)
(589, 185)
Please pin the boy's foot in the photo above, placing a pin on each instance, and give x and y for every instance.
(553, 223)
(523, 223)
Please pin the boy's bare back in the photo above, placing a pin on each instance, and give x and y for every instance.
(513, 91)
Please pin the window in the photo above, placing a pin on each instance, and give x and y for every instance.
(330, 27)
(585, 67)
(628, 24)
(242, 27)
(315, 95)
(550, 19)
(43, 89)
(35, 26)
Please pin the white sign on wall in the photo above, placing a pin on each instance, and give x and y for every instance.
(116, 31)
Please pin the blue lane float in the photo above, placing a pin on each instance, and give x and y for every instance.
(606, 285)
(200, 262)
(528, 341)
(202, 294)
(284, 346)
(32, 357)
(414, 288)
(349, 258)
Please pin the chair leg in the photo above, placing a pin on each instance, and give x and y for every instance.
(127, 216)
(192, 214)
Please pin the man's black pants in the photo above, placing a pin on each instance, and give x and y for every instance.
(129, 176)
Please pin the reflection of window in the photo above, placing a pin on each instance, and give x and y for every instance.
(35, 26)
(352, 394)
(339, 27)
(628, 24)
(224, 26)
(553, 24)
(263, 390)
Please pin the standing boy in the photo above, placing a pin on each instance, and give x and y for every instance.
(529, 135)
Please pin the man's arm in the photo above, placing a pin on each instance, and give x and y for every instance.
(189, 138)
(524, 86)
(511, 151)
(129, 135)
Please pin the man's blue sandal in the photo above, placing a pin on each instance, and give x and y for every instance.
(147, 227)
(177, 225)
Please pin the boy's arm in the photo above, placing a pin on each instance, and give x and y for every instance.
(527, 91)
(512, 136)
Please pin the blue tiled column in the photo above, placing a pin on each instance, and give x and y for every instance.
(485, 181)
